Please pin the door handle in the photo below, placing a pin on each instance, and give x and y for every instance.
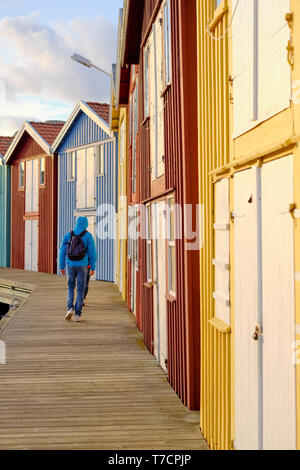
(257, 332)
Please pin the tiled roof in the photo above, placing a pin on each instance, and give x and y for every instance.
(4, 144)
(48, 131)
(102, 109)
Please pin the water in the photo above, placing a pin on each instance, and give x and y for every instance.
(4, 308)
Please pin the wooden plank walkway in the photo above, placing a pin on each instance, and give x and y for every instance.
(89, 385)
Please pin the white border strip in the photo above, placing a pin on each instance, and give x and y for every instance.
(297, 329)
(297, 276)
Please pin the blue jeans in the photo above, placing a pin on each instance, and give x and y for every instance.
(79, 272)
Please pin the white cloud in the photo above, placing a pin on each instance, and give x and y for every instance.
(35, 63)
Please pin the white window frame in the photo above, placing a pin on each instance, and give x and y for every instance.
(71, 165)
(171, 246)
(22, 175)
(43, 171)
(167, 43)
(100, 158)
(146, 81)
(149, 244)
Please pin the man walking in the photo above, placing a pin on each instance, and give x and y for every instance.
(79, 248)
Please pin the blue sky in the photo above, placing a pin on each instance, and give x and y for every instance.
(62, 9)
(38, 80)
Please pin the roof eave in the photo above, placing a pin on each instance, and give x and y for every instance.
(84, 107)
(27, 127)
(133, 32)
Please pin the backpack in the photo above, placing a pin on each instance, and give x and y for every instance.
(75, 247)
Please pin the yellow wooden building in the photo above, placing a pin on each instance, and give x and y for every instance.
(118, 123)
(249, 129)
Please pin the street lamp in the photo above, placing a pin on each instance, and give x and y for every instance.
(87, 63)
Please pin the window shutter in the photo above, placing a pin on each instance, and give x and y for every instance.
(274, 84)
(243, 66)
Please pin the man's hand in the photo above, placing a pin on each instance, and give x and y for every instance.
(63, 272)
(92, 273)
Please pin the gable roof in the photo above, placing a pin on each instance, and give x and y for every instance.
(43, 133)
(98, 112)
(48, 131)
(102, 109)
(4, 144)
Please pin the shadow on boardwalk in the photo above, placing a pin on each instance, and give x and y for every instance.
(92, 385)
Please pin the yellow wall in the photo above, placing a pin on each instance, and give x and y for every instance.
(220, 156)
(213, 121)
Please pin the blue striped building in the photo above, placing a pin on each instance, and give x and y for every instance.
(87, 180)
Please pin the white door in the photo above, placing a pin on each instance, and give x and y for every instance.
(246, 278)
(90, 177)
(31, 245)
(279, 383)
(28, 187)
(264, 295)
(160, 287)
(32, 186)
(80, 183)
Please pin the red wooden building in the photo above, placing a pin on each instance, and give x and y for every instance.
(34, 197)
(160, 93)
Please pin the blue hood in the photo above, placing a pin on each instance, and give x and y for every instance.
(81, 225)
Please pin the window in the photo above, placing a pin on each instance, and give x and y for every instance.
(167, 43)
(21, 174)
(100, 160)
(146, 81)
(149, 245)
(42, 171)
(71, 166)
(171, 248)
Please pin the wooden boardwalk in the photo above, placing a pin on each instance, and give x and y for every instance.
(90, 385)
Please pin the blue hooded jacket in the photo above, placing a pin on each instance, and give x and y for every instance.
(89, 245)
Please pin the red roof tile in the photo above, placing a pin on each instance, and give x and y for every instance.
(48, 131)
(102, 109)
(4, 144)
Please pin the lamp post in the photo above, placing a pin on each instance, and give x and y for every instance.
(87, 63)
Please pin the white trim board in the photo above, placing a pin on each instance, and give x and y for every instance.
(85, 213)
(27, 127)
(85, 108)
(297, 276)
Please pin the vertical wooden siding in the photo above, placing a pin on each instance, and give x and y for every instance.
(213, 102)
(5, 210)
(169, 140)
(48, 218)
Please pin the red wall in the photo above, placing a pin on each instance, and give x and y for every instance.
(26, 150)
